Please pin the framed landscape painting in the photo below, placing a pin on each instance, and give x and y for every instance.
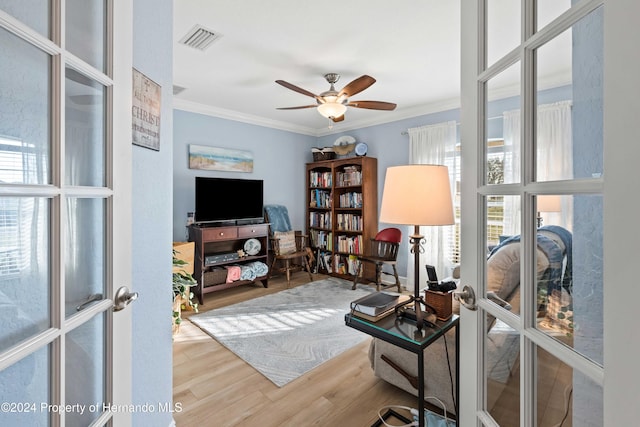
(219, 159)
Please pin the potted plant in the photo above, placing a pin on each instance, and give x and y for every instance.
(182, 295)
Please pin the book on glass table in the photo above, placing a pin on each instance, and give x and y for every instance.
(380, 316)
(377, 303)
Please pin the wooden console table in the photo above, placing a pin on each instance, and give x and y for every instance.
(216, 247)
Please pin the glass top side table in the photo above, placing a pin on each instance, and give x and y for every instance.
(403, 333)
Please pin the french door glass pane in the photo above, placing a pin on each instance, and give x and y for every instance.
(503, 127)
(502, 372)
(85, 253)
(85, 365)
(25, 387)
(35, 13)
(24, 268)
(564, 396)
(25, 106)
(503, 251)
(85, 130)
(548, 10)
(503, 28)
(86, 31)
(569, 142)
(570, 285)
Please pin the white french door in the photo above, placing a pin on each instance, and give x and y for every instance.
(65, 226)
(558, 357)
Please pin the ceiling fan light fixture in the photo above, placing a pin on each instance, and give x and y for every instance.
(332, 104)
(332, 109)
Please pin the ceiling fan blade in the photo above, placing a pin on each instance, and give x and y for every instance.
(373, 105)
(357, 86)
(296, 88)
(338, 119)
(297, 108)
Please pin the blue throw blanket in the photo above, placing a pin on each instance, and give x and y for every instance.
(278, 217)
(554, 254)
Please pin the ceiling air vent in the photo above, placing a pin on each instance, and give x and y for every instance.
(199, 38)
(178, 89)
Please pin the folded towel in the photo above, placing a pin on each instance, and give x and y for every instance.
(233, 273)
(259, 268)
(247, 273)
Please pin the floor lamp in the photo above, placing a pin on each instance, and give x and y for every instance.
(417, 195)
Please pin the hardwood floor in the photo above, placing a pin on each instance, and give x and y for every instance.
(216, 388)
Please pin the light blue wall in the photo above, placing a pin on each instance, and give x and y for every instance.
(152, 221)
(387, 143)
(279, 159)
(588, 147)
(280, 156)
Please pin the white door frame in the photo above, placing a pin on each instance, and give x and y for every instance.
(620, 376)
(117, 193)
(122, 172)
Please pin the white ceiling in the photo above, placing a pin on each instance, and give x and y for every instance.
(412, 49)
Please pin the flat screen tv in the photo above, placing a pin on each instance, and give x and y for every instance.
(228, 200)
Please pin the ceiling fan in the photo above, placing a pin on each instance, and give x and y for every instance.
(333, 104)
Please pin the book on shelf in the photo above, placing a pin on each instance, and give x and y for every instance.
(375, 303)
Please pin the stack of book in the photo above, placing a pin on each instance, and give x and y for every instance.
(377, 305)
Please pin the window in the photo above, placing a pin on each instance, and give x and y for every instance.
(17, 163)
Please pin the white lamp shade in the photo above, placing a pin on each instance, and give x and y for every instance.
(548, 203)
(417, 195)
(332, 109)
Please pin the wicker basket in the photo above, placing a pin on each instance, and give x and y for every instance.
(320, 154)
(442, 302)
(215, 276)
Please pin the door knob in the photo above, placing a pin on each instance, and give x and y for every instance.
(467, 298)
(123, 298)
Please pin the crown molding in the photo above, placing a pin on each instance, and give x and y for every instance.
(394, 116)
(388, 117)
(222, 113)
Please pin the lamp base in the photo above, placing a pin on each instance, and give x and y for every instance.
(422, 316)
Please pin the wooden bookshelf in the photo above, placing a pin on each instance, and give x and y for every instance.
(342, 212)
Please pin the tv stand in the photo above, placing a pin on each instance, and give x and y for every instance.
(250, 221)
(213, 240)
(230, 222)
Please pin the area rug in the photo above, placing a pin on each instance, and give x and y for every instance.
(289, 333)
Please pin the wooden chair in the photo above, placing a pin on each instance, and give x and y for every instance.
(382, 250)
(289, 247)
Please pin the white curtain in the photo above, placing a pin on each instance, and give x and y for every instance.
(555, 155)
(431, 145)
(511, 135)
(554, 151)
